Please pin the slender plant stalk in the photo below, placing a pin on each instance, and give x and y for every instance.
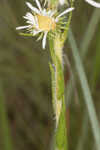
(6, 138)
(90, 30)
(56, 51)
(86, 91)
(60, 142)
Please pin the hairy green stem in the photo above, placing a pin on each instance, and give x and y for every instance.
(58, 94)
(56, 67)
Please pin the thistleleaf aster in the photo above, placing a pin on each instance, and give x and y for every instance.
(93, 3)
(41, 20)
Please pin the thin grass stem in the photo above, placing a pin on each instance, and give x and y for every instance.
(86, 91)
(89, 32)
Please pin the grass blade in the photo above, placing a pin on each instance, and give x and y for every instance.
(89, 32)
(86, 91)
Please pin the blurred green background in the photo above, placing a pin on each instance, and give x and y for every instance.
(25, 80)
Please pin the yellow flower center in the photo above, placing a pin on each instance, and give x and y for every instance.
(46, 23)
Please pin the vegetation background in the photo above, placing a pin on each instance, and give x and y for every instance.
(25, 80)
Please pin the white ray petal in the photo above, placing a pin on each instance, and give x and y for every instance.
(29, 22)
(33, 8)
(44, 40)
(35, 32)
(62, 2)
(36, 22)
(44, 3)
(95, 4)
(38, 4)
(25, 17)
(30, 18)
(51, 13)
(64, 12)
(44, 13)
(22, 27)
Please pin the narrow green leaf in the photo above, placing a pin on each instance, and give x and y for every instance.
(86, 91)
(90, 30)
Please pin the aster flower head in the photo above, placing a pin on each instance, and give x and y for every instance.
(93, 3)
(41, 21)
